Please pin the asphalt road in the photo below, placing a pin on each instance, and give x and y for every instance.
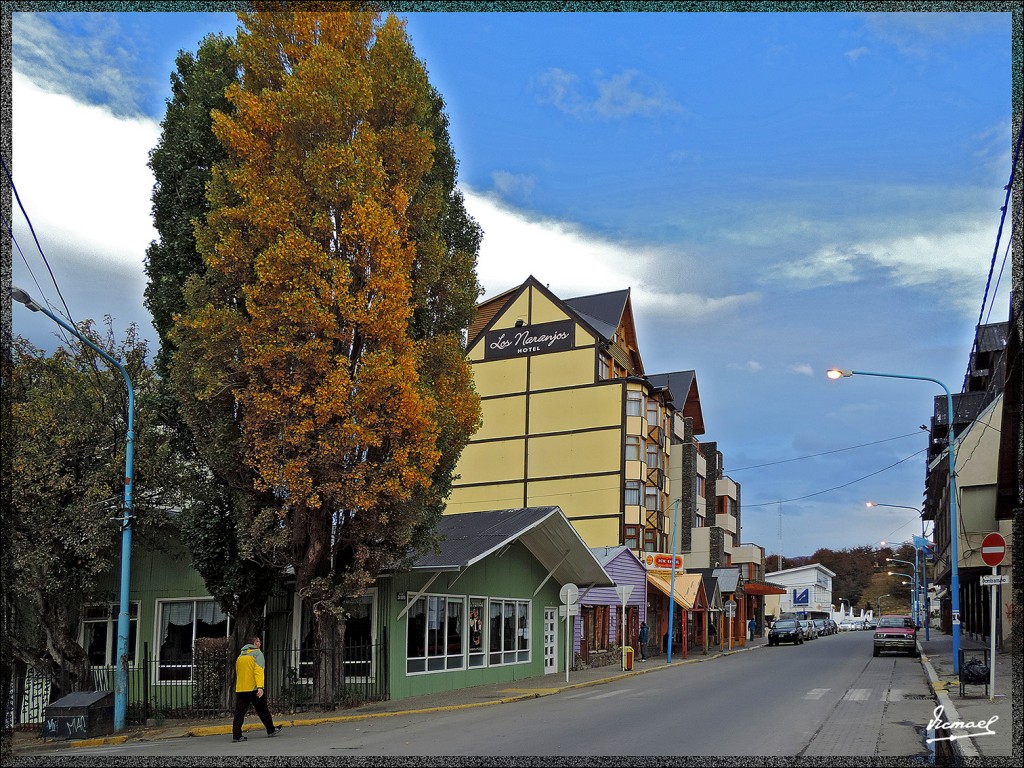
(825, 697)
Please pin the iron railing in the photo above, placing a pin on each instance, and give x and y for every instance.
(296, 680)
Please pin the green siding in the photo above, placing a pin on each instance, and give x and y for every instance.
(515, 574)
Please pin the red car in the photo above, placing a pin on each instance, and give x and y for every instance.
(896, 633)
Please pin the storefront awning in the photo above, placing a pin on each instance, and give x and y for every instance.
(762, 588)
(684, 597)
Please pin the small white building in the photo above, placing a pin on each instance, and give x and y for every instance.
(808, 592)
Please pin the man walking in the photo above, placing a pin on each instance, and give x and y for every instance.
(249, 680)
(751, 628)
(645, 633)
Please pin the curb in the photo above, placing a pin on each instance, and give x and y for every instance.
(962, 747)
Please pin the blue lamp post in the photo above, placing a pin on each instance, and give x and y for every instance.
(954, 531)
(920, 544)
(123, 620)
(672, 587)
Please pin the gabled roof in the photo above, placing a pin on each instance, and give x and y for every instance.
(605, 555)
(685, 396)
(711, 589)
(602, 310)
(468, 538)
(728, 579)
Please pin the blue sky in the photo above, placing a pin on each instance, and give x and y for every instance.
(783, 193)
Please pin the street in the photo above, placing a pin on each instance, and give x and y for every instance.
(827, 697)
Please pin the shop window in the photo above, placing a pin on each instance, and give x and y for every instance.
(180, 624)
(477, 632)
(435, 633)
(509, 631)
(99, 633)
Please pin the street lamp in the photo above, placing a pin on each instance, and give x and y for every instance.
(123, 621)
(919, 544)
(916, 580)
(878, 606)
(954, 574)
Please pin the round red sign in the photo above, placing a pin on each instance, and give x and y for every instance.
(992, 549)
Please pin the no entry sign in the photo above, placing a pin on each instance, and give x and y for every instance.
(993, 548)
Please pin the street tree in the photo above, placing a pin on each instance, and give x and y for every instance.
(68, 465)
(339, 276)
(221, 493)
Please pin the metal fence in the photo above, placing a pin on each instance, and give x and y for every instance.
(296, 680)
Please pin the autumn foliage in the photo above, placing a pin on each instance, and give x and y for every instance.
(349, 392)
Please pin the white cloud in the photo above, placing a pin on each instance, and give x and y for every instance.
(81, 173)
(856, 53)
(513, 185)
(573, 262)
(802, 369)
(951, 260)
(751, 366)
(617, 96)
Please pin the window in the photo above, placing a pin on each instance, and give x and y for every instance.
(650, 540)
(477, 632)
(435, 632)
(725, 505)
(632, 496)
(652, 498)
(632, 448)
(700, 487)
(652, 412)
(99, 633)
(653, 455)
(181, 623)
(698, 521)
(359, 639)
(634, 404)
(631, 536)
(510, 631)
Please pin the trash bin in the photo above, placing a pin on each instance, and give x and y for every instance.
(974, 670)
(80, 715)
(627, 658)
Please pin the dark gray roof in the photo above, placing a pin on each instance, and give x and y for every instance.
(470, 537)
(678, 383)
(603, 311)
(728, 579)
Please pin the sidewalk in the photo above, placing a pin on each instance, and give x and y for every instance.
(974, 707)
(462, 698)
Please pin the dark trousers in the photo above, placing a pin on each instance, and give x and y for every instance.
(242, 701)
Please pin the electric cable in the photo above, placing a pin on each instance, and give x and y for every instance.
(815, 455)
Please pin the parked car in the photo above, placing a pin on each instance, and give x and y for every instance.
(833, 627)
(895, 633)
(847, 624)
(821, 627)
(786, 631)
(810, 633)
(870, 623)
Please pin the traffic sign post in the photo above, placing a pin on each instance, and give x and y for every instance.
(570, 595)
(993, 550)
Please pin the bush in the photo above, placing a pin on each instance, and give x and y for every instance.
(210, 672)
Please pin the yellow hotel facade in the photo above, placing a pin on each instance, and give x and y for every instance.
(569, 418)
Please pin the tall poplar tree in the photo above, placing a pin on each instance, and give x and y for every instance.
(221, 493)
(340, 272)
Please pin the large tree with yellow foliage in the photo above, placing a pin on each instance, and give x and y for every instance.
(340, 272)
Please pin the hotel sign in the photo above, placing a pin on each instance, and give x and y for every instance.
(529, 340)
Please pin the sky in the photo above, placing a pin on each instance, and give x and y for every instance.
(781, 192)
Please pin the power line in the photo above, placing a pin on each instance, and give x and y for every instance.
(836, 487)
(815, 455)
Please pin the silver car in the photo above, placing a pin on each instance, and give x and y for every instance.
(810, 631)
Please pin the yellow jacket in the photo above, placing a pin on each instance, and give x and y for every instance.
(249, 669)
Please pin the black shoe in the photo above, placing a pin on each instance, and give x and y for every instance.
(277, 730)
(240, 738)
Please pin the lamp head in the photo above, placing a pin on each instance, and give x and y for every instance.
(838, 373)
(22, 297)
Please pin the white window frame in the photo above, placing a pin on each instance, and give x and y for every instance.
(633, 490)
(113, 611)
(158, 632)
(516, 648)
(634, 403)
(437, 662)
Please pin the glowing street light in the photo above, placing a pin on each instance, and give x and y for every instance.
(954, 530)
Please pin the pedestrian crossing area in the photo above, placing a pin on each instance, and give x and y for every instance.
(859, 694)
